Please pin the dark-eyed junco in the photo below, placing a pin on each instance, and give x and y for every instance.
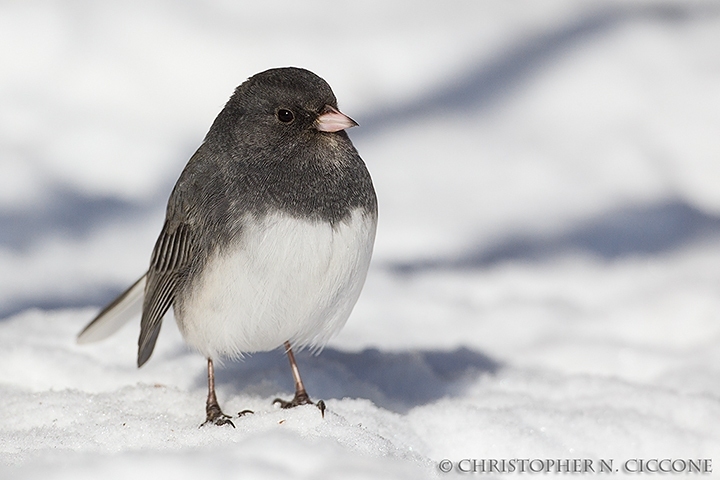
(268, 233)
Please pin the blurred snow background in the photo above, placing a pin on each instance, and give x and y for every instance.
(546, 280)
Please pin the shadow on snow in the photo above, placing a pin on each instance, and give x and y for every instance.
(396, 381)
(630, 231)
(489, 81)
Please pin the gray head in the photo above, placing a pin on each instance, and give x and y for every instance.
(279, 143)
(280, 105)
(293, 88)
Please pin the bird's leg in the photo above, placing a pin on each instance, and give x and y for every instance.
(212, 408)
(301, 397)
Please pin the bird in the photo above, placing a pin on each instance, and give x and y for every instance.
(267, 237)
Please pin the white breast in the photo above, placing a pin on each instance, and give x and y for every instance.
(284, 279)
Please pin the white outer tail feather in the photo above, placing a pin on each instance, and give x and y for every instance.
(110, 320)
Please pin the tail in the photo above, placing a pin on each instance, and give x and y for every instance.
(115, 315)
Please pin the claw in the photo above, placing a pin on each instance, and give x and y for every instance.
(218, 420)
(301, 399)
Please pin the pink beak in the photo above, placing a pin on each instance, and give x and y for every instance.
(331, 120)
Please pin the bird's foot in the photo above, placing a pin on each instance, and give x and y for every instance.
(215, 416)
(301, 398)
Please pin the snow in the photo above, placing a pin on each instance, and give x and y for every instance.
(546, 275)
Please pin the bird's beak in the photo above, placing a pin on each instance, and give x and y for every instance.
(331, 120)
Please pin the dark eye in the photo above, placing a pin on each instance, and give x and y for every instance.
(285, 116)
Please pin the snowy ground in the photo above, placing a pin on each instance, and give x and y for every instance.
(546, 283)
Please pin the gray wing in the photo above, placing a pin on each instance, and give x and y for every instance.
(170, 261)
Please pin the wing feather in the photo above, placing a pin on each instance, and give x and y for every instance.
(171, 256)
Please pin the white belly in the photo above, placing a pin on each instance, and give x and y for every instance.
(284, 279)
